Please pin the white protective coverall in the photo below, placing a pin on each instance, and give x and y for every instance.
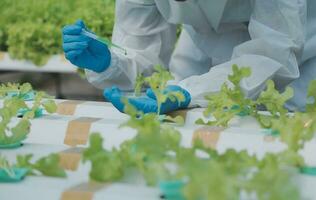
(267, 35)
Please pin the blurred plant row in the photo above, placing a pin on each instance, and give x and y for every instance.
(31, 29)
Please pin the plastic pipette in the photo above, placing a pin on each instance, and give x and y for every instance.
(105, 41)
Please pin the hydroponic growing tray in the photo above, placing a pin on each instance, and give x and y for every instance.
(67, 132)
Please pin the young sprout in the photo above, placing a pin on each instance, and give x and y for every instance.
(158, 84)
(14, 104)
(5, 165)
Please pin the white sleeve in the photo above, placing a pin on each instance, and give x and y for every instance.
(148, 38)
(277, 30)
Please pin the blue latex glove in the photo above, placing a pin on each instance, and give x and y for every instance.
(148, 103)
(83, 51)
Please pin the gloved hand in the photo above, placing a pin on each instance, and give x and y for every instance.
(148, 103)
(83, 51)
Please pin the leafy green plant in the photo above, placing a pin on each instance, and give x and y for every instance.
(295, 131)
(225, 176)
(34, 42)
(138, 153)
(231, 101)
(14, 96)
(18, 132)
(47, 166)
(150, 159)
(273, 179)
(311, 93)
(274, 102)
(158, 83)
(32, 30)
(139, 83)
(5, 165)
(106, 165)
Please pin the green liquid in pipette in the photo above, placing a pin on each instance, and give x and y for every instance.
(110, 44)
(103, 40)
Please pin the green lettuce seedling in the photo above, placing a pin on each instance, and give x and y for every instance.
(311, 93)
(227, 175)
(14, 97)
(158, 83)
(231, 101)
(138, 153)
(5, 165)
(47, 166)
(106, 165)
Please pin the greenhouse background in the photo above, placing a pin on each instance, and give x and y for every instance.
(30, 32)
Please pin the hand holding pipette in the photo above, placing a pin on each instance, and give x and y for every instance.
(85, 49)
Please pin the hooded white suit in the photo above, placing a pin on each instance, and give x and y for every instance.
(276, 38)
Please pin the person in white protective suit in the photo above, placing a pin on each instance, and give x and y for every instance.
(275, 38)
